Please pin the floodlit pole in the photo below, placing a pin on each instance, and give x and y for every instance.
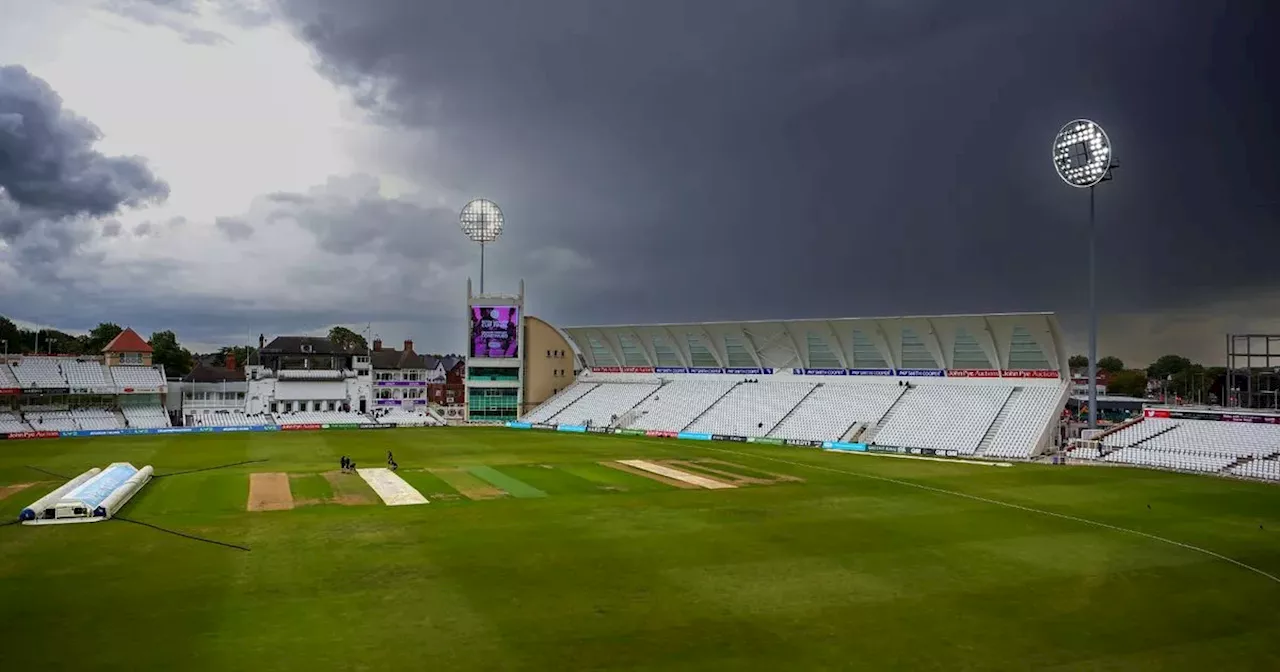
(1083, 158)
(482, 221)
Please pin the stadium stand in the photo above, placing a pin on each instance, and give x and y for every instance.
(95, 418)
(943, 417)
(751, 409)
(1266, 469)
(51, 421)
(145, 417)
(33, 372)
(404, 418)
(559, 402)
(834, 409)
(321, 418)
(1246, 449)
(86, 375)
(10, 423)
(679, 403)
(136, 377)
(7, 379)
(603, 404)
(227, 418)
(978, 385)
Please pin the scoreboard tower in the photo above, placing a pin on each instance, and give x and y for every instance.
(495, 360)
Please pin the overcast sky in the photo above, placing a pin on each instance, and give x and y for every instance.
(229, 167)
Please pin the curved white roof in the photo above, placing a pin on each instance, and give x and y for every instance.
(1006, 341)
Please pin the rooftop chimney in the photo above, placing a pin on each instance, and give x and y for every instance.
(377, 345)
(231, 361)
(408, 346)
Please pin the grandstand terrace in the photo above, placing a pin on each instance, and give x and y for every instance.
(970, 385)
(305, 374)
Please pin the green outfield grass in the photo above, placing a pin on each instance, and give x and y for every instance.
(850, 568)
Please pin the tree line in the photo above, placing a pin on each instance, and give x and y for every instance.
(166, 350)
(1171, 374)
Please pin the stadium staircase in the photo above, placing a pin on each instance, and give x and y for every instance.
(626, 418)
(996, 423)
(793, 409)
(854, 433)
(121, 421)
(873, 428)
(1102, 448)
(708, 408)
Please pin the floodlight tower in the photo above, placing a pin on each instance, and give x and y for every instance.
(1083, 158)
(482, 221)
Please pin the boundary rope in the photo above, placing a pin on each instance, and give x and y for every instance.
(184, 535)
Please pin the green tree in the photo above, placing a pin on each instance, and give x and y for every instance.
(1130, 383)
(100, 336)
(1111, 364)
(10, 333)
(1168, 365)
(242, 354)
(176, 359)
(346, 339)
(1078, 362)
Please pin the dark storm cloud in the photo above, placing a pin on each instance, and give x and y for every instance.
(752, 158)
(52, 181)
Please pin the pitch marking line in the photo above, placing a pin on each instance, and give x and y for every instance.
(684, 476)
(393, 490)
(1010, 505)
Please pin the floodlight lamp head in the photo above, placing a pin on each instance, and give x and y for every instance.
(1082, 154)
(481, 220)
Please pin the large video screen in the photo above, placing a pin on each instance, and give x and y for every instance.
(495, 331)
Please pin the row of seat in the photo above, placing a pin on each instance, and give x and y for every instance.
(64, 372)
(1008, 419)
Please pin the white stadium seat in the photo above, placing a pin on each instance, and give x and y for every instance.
(222, 418)
(679, 403)
(136, 377)
(10, 423)
(145, 417)
(559, 402)
(82, 375)
(32, 372)
(599, 406)
(1025, 417)
(751, 409)
(405, 418)
(833, 408)
(7, 379)
(321, 418)
(943, 417)
(1195, 445)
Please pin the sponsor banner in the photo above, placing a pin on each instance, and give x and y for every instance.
(949, 453)
(541, 425)
(141, 390)
(973, 373)
(399, 383)
(294, 428)
(637, 369)
(766, 441)
(871, 372)
(819, 372)
(386, 402)
(375, 425)
(1031, 373)
(728, 437)
(34, 435)
(659, 433)
(344, 425)
(631, 432)
(576, 429)
(600, 430)
(606, 369)
(10, 390)
(846, 447)
(922, 373)
(670, 369)
(705, 369)
(695, 436)
(1202, 415)
(802, 443)
(519, 425)
(926, 452)
(744, 372)
(893, 450)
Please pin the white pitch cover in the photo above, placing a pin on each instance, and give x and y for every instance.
(393, 490)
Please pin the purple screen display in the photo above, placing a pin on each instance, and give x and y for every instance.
(495, 331)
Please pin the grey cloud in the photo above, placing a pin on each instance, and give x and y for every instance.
(187, 17)
(233, 228)
(53, 184)
(750, 159)
(143, 229)
(111, 229)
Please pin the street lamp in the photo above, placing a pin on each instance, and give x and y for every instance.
(1083, 158)
(482, 221)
